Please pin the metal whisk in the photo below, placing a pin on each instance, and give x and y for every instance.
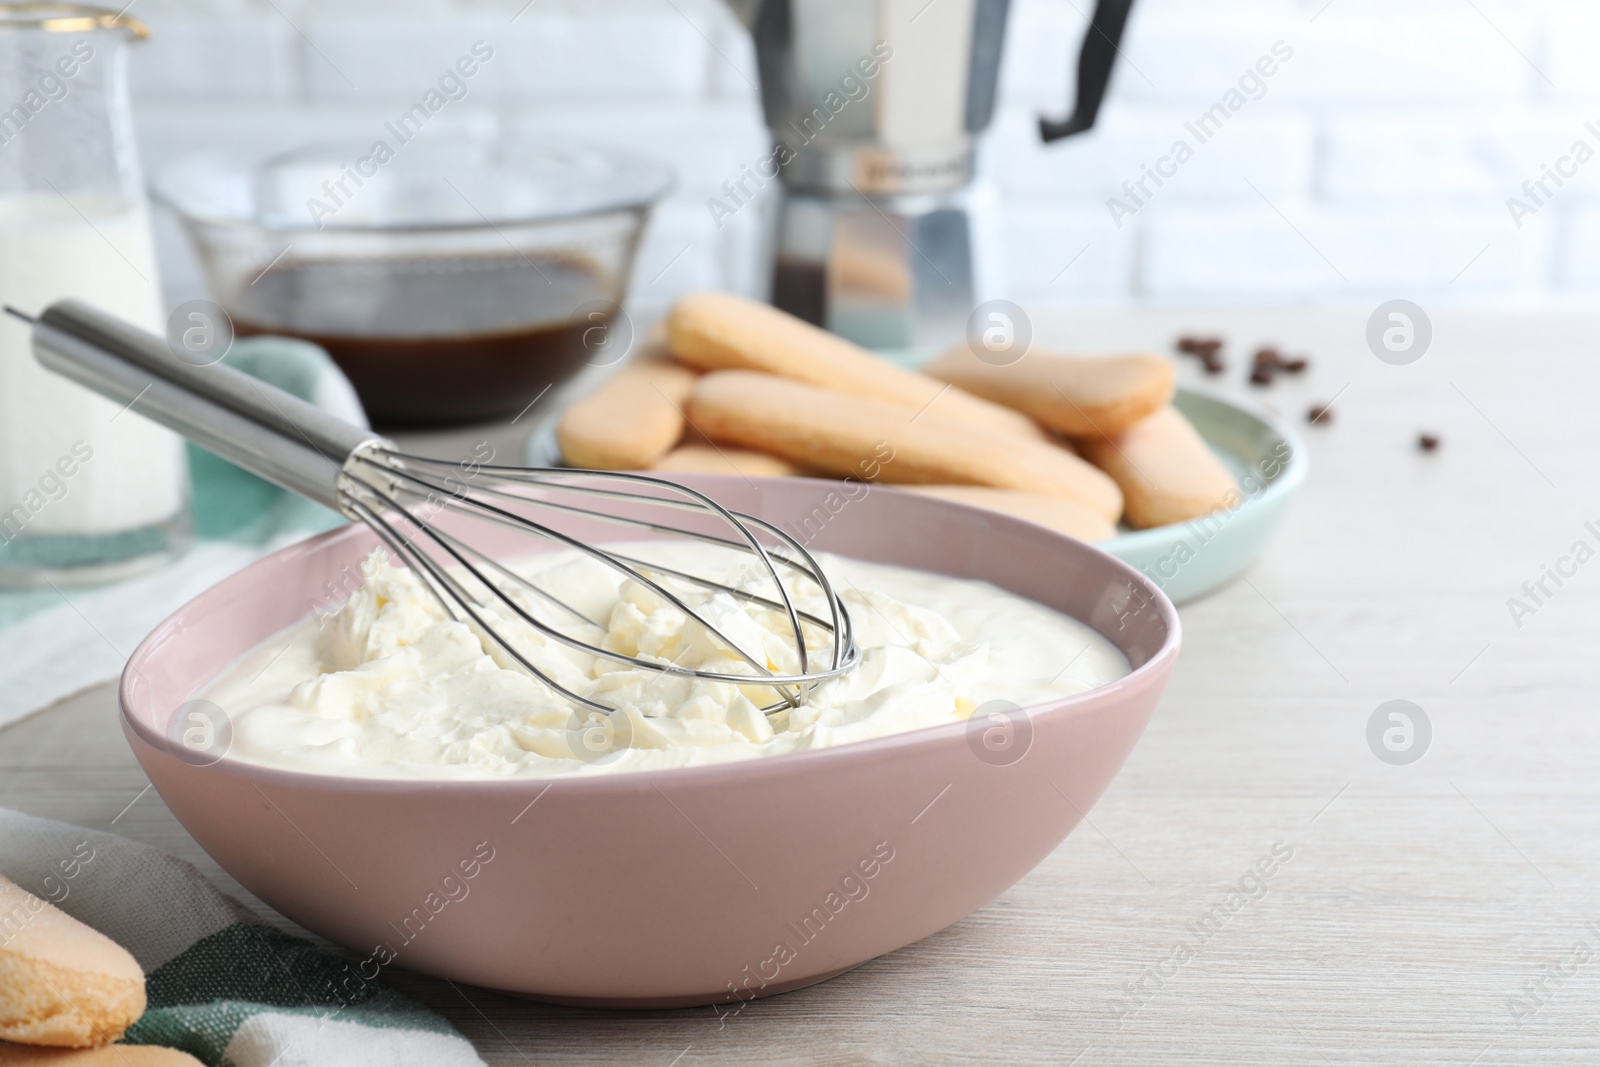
(398, 495)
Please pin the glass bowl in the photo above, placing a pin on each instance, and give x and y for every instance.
(454, 280)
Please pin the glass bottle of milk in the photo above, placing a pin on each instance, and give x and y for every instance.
(89, 491)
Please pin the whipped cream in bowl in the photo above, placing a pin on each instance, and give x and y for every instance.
(389, 685)
(368, 746)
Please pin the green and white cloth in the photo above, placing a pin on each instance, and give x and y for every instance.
(222, 986)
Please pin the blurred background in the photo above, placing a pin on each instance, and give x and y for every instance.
(1377, 162)
(1256, 167)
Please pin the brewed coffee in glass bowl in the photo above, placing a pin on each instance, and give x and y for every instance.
(454, 280)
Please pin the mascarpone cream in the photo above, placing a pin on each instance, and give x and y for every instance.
(388, 685)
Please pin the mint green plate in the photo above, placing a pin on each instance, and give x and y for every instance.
(1188, 560)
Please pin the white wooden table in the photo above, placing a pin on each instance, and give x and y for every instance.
(1419, 899)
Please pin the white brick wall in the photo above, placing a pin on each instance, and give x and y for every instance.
(1376, 164)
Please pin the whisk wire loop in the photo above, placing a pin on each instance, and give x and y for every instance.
(381, 476)
(491, 511)
(455, 599)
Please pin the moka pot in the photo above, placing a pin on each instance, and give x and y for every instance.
(875, 107)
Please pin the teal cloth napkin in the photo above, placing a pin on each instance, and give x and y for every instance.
(233, 504)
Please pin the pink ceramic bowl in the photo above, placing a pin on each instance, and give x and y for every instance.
(668, 888)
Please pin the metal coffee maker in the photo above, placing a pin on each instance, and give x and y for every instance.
(874, 108)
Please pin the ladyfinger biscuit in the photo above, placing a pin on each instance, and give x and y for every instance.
(720, 331)
(714, 459)
(1082, 396)
(631, 421)
(1064, 516)
(1165, 468)
(110, 1056)
(61, 983)
(844, 435)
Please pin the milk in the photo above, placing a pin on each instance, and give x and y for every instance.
(101, 252)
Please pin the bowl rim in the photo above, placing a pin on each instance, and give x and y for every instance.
(1288, 481)
(653, 181)
(730, 772)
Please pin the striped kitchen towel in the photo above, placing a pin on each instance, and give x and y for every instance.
(222, 986)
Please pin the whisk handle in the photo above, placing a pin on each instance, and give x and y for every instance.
(258, 426)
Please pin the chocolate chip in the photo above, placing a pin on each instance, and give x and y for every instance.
(1427, 441)
(1260, 375)
(1268, 357)
(1295, 366)
(1319, 415)
(1213, 364)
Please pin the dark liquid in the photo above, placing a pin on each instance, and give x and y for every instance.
(800, 287)
(439, 342)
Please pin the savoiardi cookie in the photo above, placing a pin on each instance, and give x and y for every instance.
(62, 983)
(833, 433)
(723, 459)
(1166, 470)
(109, 1056)
(721, 331)
(1080, 396)
(631, 421)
